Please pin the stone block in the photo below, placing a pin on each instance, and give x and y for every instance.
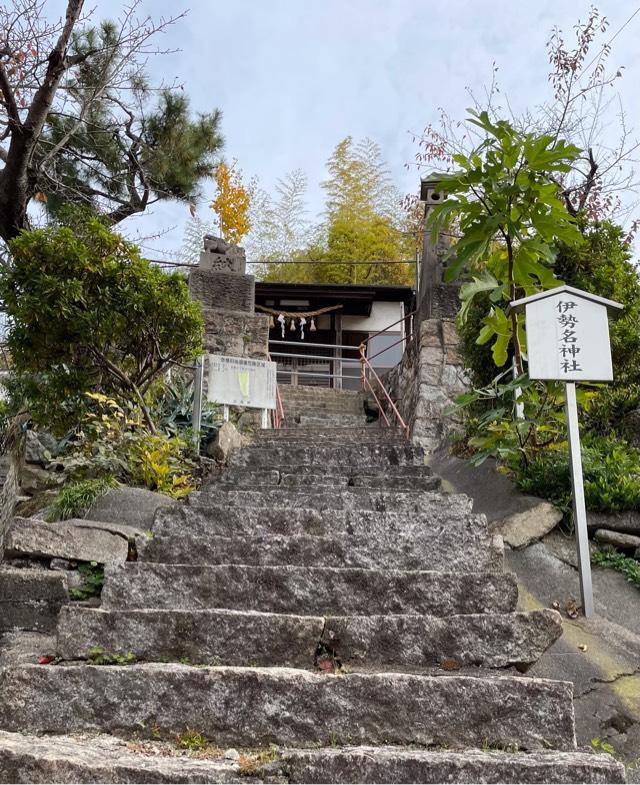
(534, 519)
(235, 333)
(450, 336)
(200, 636)
(227, 441)
(30, 599)
(318, 591)
(27, 537)
(428, 767)
(431, 333)
(627, 522)
(223, 290)
(104, 759)
(619, 540)
(488, 640)
(260, 706)
(134, 507)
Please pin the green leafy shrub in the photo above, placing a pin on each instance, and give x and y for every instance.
(88, 314)
(611, 470)
(93, 575)
(115, 442)
(609, 557)
(76, 498)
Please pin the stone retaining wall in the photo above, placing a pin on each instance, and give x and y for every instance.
(428, 380)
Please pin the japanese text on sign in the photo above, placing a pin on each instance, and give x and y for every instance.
(241, 381)
(568, 339)
(569, 347)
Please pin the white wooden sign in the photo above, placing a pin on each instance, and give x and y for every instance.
(568, 339)
(241, 381)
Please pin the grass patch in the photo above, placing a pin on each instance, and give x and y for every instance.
(98, 656)
(252, 764)
(610, 557)
(192, 740)
(75, 499)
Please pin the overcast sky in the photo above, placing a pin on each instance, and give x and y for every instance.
(294, 77)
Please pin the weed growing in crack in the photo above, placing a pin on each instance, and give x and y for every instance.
(600, 745)
(191, 740)
(98, 656)
(93, 575)
(251, 764)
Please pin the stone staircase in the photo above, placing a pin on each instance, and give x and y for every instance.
(322, 406)
(321, 613)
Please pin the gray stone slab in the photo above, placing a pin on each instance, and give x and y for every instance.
(457, 549)
(223, 289)
(379, 500)
(434, 514)
(626, 522)
(397, 765)
(25, 647)
(30, 599)
(489, 640)
(254, 706)
(102, 759)
(619, 540)
(346, 455)
(65, 540)
(134, 507)
(215, 637)
(306, 590)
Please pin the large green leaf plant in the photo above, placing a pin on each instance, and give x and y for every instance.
(504, 198)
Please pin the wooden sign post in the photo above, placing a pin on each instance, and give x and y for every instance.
(568, 341)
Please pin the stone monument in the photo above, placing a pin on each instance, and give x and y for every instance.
(227, 295)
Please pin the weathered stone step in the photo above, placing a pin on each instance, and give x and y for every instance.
(74, 539)
(438, 514)
(104, 759)
(30, 599)
(320, 591)
(345, 455)
(426, 767)
(335, 420)
(254, 707)
(443, 536)
(107, 759)
(222, 637)
(241, 477)
(480, 553)
(357, 434)
(215, 637)
(350, 498)
(489, 640)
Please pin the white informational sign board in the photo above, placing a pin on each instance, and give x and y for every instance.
(568, 339)
(241, 381)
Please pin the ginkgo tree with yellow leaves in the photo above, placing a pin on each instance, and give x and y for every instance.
(231, 203)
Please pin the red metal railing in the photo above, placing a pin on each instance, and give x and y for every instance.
(277, 415)
(368, 373)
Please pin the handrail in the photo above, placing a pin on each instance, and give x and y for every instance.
(386, 348)
(315, 345)
(366, 366)
(277, 416)
(389, 326)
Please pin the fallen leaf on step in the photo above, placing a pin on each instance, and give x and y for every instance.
(572, 609)
(582, 647)
(450, 665)
(45, 660)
